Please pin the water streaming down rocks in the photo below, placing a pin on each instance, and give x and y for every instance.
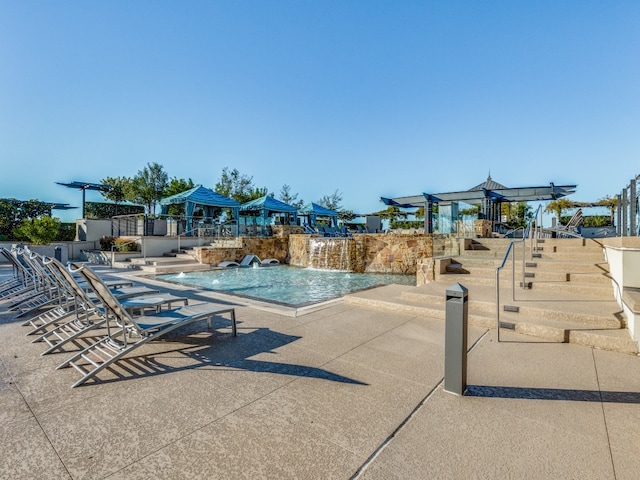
(331, 253)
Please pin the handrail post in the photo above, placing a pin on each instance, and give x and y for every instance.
(498, 302)
(524, 256)
(513, 274)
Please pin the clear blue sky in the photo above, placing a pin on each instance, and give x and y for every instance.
(372, 98)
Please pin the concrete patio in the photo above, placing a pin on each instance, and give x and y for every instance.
(343, 392)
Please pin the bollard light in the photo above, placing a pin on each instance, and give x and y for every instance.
(455, 344)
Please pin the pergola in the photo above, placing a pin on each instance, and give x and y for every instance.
(200, 196)
(489, 196)
(84, 186)
(313, 211)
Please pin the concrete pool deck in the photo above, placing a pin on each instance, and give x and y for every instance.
(341, 392)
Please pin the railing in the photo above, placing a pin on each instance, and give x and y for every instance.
(511, 250)
(114, 247)
(169, 225)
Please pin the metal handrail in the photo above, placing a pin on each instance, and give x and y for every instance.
(113, 249)
(527, 232)
(209, 221)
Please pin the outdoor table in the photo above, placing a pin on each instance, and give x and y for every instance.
(151, 302)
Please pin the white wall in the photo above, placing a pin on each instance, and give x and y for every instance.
(92, 230)
(624, 266)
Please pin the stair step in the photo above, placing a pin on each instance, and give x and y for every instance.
(564, 318)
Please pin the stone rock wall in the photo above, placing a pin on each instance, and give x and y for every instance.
(263, 247)
(370, 253)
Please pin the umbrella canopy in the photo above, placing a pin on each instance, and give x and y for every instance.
(269, 204)
(313, 211)
(265, 206)
(200, 196)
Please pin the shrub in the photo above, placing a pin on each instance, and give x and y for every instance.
(408, 224)
(38, 231)
(120, 244)
(101, 210)
(67, 232)
(124, 245)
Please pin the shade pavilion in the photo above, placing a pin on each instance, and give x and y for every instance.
(200, 197)
(267, 207)
(312, 211)
(489, 196)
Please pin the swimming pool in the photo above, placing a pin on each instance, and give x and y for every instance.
(281, 284)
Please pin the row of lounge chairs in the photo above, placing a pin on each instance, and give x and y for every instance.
(61, 304)
(327, 231)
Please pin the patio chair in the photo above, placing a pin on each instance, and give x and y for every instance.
(117, 342)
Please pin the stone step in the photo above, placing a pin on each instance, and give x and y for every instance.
(597, 290)
(588, 278)
(599, 331)
(537, 264)
(175, 268)
(572, 256)
(606, 316)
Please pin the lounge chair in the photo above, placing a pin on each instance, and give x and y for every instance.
(76, 303)
(116, 343)
(89, 314)
(27, 284)
(228, 264)
(251, 260)
(43, 291)
(571, 229)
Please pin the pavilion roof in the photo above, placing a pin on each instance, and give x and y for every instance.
(267, 203)
(200, 195)
(316, 209)
(488, 189)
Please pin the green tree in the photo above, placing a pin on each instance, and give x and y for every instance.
(149, 186)
(557, 206)
(119, 189)
(13, 212)
(238, 186)
(332, 202)
(178, 185)
(39, 231)
(611, 204)
(471, 211)
(346, 215)
(175, 186)
(520, 214)
(290, 198)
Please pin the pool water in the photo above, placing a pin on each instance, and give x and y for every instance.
(285, 285)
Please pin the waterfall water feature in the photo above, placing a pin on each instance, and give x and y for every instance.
(330, 253)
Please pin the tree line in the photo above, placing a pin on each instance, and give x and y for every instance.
(152, 183)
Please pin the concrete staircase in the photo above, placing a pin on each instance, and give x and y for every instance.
(569, 296)
(172, 262)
